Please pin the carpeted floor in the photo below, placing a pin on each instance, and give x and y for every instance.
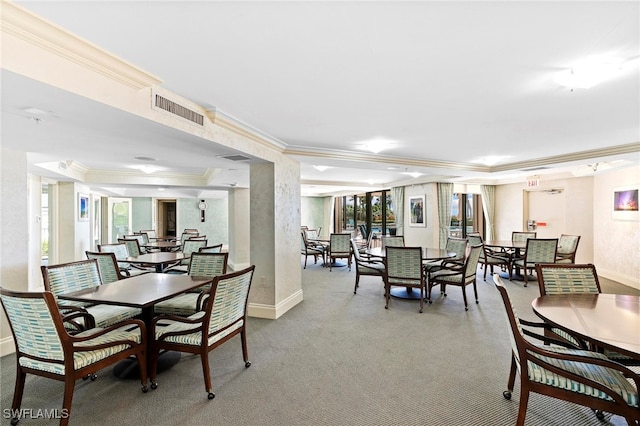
(335, 359)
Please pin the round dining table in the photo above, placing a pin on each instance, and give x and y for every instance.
(610, 321)
(428, 254)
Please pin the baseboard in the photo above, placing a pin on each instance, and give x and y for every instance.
(258, 310)
(621, 278)
(7, 346)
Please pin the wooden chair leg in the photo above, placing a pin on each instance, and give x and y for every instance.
(204, 358)
(19, 389)
(69, 384)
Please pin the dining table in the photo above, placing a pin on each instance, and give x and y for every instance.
(162, 245)
(610, 321)
(144, 292)
(429, 254)
(158, 259)
(513, 249)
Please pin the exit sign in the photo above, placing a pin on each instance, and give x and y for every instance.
(532, 183)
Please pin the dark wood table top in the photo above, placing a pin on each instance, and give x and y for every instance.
(140, 291)
(428, 253)
(162, 245)
(610, 320)
(507, 244)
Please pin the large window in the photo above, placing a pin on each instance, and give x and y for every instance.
(373, 209)
(466, 215)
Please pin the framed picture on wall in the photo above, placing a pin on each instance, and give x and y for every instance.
(625, 203)
(417, 211)
(83, 207)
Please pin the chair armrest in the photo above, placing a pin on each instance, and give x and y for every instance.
(557, 340)
(89, 320)
(102, 331)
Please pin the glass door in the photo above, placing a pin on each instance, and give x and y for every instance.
(119, 218)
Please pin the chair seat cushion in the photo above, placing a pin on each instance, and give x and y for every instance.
(107, 315)
(85, 358)
(446, 275)
(371, 267)
(182, 305)
(191, 339)
(608, 377)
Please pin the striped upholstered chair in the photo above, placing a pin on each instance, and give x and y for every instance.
(404, 268)
(121, 251)
(60, 356)
(539, 250)
(567, 248)
(81, 275)
(583, 377)
(188, 246)
(454, 245)
(339, 248)
(107, 265)
(457, 275)
(563, 278)
(224, 316)
(201, 265)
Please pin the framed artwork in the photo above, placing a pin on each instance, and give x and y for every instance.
(417, 211)
(83, 207)
(625, 203)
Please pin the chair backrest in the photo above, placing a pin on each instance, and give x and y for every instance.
(516, 336)
(211, 249)
(457, 246)
(190, 246)
(226, 308)
(562, 278)
(392, 241)
(311, 234)
(541, 250)
(120, 250)
(144, 235)
(363, 231)
(72, 276)
(208, 264)
(133, 246)
(197, 237)
(35, 314)
(356, 251)
(404, 265)
(567, 246)
(340, 243)
(521, 237)
(471, 262)
(475, 240)
(107, 265)
(151, 233)
(190, 231)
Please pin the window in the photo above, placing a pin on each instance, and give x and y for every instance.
(373, 209)
(466, 215)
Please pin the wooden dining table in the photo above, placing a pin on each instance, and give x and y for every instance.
(144, 292)
(162, 245)
(610, 321)
(158, 259)
(429, 254)
(513, 249)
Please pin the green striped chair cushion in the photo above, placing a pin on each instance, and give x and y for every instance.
(82, 359)
(73, 277)
(192, 339)
(207, 265)
(609, 378)
(107, 315)
(569, 280)
(182, 305)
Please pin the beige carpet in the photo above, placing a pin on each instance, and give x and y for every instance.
(335, 359)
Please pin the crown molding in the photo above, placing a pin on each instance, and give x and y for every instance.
(246, 130)
(41, 33)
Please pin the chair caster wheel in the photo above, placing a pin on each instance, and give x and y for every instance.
(430, 301)
(14, 421)
(506, 394)
(211, 395)
(145, 389)
(599, 414)
(93, 377)
(154, 385)
(386, 307)
(247, 364)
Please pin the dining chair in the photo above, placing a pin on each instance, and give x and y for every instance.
(151, 234)
(538, 250)
(563, 278)
(309, 249)
(143, 241)
(489, 258)
(519, 237)
(217, 248)
(582, 377)
(188, 246)
(567, 248)
(366, 266)
(392, 241)
(133, 245)
(44, 348)
(121, 252)
(404, 268)
(82, 275)
(107, 265)
(202, 265)
(457, 275)
(224, 316)
(454, 245)
(339, 248)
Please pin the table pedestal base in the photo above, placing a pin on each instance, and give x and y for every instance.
(128, 368)
(406, 293)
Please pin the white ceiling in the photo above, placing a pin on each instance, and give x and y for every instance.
(449, 82)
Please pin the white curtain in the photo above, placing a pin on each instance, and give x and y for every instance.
(488, 205)
(445, 195)
(397, 200)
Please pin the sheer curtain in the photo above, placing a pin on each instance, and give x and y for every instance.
(397, 198)
(445, 194)
(489, 203)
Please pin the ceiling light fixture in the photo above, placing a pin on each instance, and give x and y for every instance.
(491, 160)
(145, 168)
(321, 168)
(590, 72)
(376, 145)
(412, 174)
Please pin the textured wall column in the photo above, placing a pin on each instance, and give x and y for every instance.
(239, 232)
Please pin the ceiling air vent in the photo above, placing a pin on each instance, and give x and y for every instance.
(534, 169)
(235, 157)
(179, 110)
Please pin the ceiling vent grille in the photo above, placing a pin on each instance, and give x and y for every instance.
(179, 110)
(534, 169)
(236, 157)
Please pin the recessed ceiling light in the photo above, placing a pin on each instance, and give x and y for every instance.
(491, 160)
(376, 145)
(145, 168)
(321, 168)
(36, 111)
(160, 189)
(412, 174)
